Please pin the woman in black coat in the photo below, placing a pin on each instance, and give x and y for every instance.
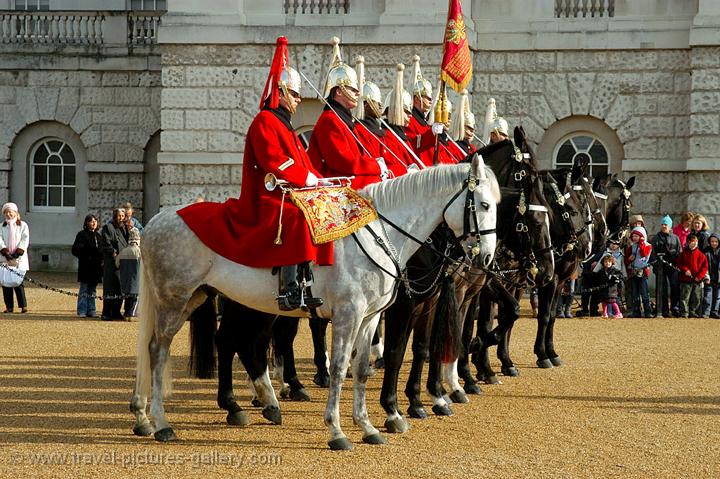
(114, 239)
(90, 265)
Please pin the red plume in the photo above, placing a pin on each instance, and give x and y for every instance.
(280, 60)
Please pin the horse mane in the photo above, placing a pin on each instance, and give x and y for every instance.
(410, 188)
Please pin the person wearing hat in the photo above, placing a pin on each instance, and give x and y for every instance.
(128, 265)
(637, 257)
(335, 149)
(693, 266)
(711, 293)
(14, 242)
(666, 248)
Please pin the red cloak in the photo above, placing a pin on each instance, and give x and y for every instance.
(243, 230)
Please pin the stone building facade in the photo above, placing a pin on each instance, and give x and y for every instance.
(633, 84)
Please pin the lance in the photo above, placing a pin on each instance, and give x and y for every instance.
(421, 165)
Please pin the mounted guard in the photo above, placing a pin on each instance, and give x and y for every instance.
(496, 127)
(261, 229)
(462, 128)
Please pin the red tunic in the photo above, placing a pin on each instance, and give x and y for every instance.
(244, 230)
(377, 144)
(422, 139)
(334, 151)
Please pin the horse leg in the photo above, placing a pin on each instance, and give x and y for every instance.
(318, 328)
(378, 346)
(420, 356)
(159, 357)
(452, 378)
(547, 300)
(360, 370)
(440, 407)
(226, 344)
(284, 333)
(397, 334)
(550, 344)
(253, 355)
(345, 331)
(481, 358)
(463, 363)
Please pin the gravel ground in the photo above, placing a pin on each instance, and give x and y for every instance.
(637, 398)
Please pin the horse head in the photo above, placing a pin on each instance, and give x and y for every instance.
(569, 231)
(614, 196)
(538, 219)
(474, 221)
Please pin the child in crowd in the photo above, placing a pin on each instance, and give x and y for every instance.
(711, 302)
(610, 277)
(637, 256)
(693, 267)
(613, 250)
(682, 229)
(128, 264)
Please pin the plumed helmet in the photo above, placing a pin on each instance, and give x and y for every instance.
(290, 79)
(421, 86)
(371, 92)
(500, 126)
(462, 118)
(406, 100)
(470, 119)
(340, 74)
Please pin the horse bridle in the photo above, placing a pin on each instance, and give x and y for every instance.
(626, 205)
(561, 200)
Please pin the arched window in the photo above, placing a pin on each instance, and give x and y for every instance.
(52, 176)
(582, 147)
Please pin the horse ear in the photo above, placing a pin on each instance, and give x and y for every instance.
(630, 183)
(519, 136)
(577, 171)
(478, 166)
(597, 182)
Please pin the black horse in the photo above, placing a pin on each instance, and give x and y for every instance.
(614, 194)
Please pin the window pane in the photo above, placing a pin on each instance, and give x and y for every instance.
(41, 155)
(19, 4)
(40, 196)
(54, 159)
(136, 5)
(565, 154)
(581, 158)
(41, 175)
(597, 170)
(55, 196)
(67, 155)
(54, 145)
(69, 177)
(45, 5)
(68, 196)
(55, 175)
(160, 4)
(582, 142)
(598, 153)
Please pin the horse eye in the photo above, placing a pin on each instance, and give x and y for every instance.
(485, 205)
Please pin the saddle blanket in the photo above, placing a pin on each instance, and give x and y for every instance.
(333, 212)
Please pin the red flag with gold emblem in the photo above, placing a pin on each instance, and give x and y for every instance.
(456, 68)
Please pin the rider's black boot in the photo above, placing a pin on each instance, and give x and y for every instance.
(290, 297)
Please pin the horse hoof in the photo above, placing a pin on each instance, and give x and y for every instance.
(376, 438)
(340, 444)
(237, 418)
(143, 430)
(397, 426)
(256, 402)
(512, 371)
(442, 410)
(379, 363)
(165, 435)
(493, 379)
(300, 395)
(417, 412)
(272, 414)
(472, 388)
(322, 380)
(459, 397)
(284, 393)
(556, 361)
(544, 364)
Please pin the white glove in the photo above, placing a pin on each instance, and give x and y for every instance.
(311, 179)
(384, 173)
(438, 128)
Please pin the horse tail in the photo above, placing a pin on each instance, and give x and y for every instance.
(146, 329)
(203, 327)
(446, 326)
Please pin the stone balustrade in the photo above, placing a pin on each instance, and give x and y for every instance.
(316, 6)
(79, 28)
(584, 8)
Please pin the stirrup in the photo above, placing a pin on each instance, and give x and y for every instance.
(295, 299)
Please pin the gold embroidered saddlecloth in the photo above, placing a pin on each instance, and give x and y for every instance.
(333, 212)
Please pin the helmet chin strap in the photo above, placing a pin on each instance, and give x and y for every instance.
(344, 91)
(288, 98)
(374, 107)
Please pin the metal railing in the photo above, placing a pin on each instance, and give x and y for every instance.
(340, 7)
(584, 8)
(74, 28)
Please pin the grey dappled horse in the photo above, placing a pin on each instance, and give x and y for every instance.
(176, 273)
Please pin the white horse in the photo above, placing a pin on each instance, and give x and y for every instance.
(177, 267)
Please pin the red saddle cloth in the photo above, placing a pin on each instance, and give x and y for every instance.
(249, 239)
